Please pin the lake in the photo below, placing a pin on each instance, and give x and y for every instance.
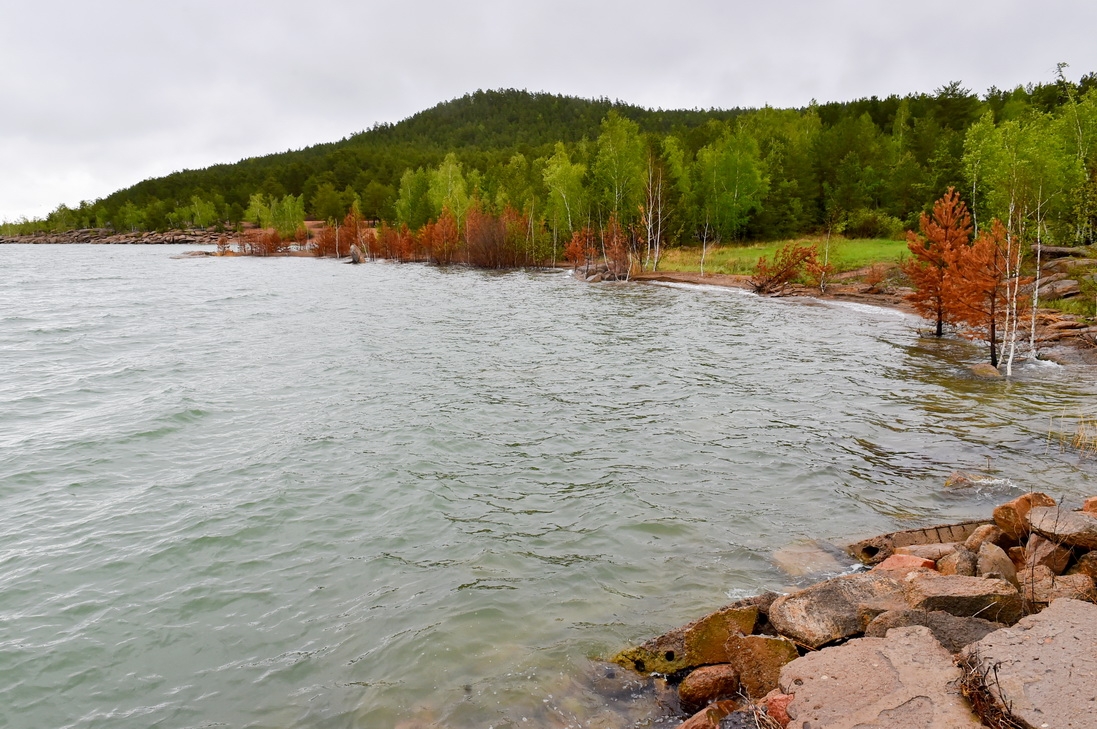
(296, 493)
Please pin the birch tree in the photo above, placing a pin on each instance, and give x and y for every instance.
(564, 180)
(619, 168)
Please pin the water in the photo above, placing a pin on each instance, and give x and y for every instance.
(296, 493)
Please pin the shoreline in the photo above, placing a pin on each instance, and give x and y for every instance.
(1056, 339)
(1060, 337)
(966, 620)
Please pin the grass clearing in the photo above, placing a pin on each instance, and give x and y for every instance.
(845, 255)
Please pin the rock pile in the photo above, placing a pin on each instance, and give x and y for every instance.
(1001, 610)
(106, 236)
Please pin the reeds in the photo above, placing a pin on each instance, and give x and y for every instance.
(1082, 438)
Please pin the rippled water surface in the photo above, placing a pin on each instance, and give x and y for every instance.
(297, 493)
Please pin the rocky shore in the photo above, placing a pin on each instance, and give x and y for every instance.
(984, 623)
(106, 236)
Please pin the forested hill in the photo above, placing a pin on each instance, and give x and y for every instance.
(869, 166)
(484, 128)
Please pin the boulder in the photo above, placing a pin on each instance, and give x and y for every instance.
(1075, 528)
(700, 643)
(994, 562)
(1040, 586)
(1064, 265)
(1060, 289)
(951, 631)
(986, 371)
(759, 659)
(1043, 671)
(1090, 506)
(987, 598)
(711, 716)
(927, 551)
(1086, 565)
(1044, 552)
(1052, 252)
(776, 705)
(986, 533)
(707, 685)
(899, 566)
(960, 561)
(834, 609)
(879, 548)
(1012, 517)
(1017, 557)
(904, 680)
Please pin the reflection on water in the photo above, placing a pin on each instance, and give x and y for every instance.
(288, 492)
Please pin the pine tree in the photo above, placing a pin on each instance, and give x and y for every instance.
(948, 228)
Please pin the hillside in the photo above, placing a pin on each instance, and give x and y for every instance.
(868, 166)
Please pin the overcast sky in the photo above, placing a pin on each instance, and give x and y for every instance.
(95, 96)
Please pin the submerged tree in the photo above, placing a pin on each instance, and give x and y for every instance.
(948, 228)
(982, 287)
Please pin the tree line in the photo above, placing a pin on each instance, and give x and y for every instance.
(582, 175)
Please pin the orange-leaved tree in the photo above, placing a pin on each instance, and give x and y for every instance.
(948, 228)
(774, 277)
(580, 249)
(982, 287)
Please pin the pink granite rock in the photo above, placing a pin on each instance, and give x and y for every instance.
(904, 680)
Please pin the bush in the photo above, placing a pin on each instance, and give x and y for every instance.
(874, 224)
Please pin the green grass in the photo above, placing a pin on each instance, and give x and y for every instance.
(1084, 307)
(846, 255)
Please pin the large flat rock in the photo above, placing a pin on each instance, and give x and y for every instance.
(835, 609)
(1043, 671)
(1074, 528)
(904, 680)
(982, 597)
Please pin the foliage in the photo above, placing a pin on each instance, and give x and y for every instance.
(979, 286)
(932, 252)
(866, 167)
(774, 276)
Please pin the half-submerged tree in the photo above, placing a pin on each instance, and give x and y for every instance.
(948, 228)
(983, 288)
(789, 261)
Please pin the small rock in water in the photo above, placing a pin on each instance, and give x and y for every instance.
(805, 559)
(986, 371)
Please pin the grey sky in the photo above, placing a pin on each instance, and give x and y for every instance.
(95, 96)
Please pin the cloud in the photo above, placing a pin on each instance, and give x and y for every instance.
(98, 96)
